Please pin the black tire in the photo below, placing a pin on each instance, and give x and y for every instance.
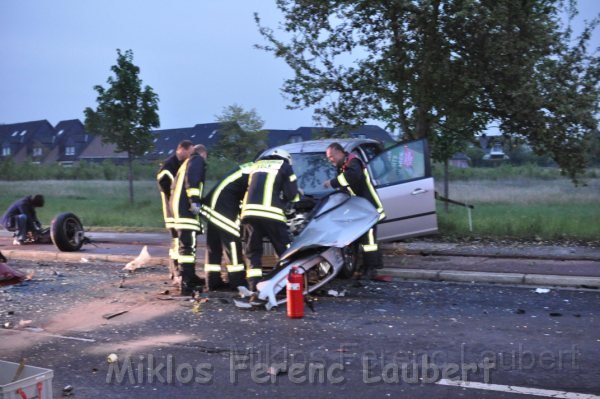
(67, 232)
(350, 261)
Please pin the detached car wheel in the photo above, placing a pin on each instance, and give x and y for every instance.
(67, 232)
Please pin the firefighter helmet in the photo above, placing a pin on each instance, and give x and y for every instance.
(283, 154)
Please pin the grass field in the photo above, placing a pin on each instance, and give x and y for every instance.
(527, 208)
(524, 208)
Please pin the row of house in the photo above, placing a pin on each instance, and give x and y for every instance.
(68, 142)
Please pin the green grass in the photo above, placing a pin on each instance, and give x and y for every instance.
(519, 207)
(524, 208)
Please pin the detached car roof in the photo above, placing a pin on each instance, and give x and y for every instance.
(321, 145)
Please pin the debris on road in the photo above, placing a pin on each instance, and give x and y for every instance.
(542, 290)
(109, 316)
(68, 390)
(112, 358)
(142, 259)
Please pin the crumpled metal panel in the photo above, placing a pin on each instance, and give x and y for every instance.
(340, 221)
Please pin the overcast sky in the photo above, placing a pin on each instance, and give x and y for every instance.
(197, 55)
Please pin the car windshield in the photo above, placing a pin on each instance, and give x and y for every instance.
(312, 169)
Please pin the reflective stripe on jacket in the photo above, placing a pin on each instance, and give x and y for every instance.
(271, 186)
(187, 189)
(164, 178)
(354, 178)
(222, 207)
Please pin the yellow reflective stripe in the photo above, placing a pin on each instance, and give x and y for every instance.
(186, 259)
(212, 268)
(296, 198)
(344, 183)
(227, 228)
(183, 226)
(164, 173)
(233, 249)
(191, 192)
(374, 195)
(371, 236)
(163, 200)
(342, 180)
(267, 165)
(254, 272)
(212, 214)
(187, 221)
(264, 214)
(258, 207)
(370, 248)
(269, 183)
(293, 177)
(221, 186)
(179, 178)
(222, 222)
(235, 268)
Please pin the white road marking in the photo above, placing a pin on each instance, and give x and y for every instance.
(515, 389)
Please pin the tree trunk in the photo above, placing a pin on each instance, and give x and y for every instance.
(130, 176)
(446, 177)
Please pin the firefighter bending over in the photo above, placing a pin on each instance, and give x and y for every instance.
(165, 177)
(221, 209)
(185, 205)
(354, 178)
(271, 186)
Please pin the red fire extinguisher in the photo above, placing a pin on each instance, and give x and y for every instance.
(295, 294)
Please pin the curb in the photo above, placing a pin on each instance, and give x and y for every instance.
(491, 277)
(402, 274)
(77, 257)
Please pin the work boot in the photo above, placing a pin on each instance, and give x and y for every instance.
(214, 281)
(190, 282)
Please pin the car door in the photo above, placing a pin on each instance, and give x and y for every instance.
(402, 176)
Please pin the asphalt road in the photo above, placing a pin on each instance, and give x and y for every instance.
(397, 339)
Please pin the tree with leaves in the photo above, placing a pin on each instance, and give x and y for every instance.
(126, 113)
(444, 69)
(242, 135)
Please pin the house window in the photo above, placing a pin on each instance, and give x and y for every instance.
(295, 138)
(5, 151)
(37, 152)
(361, 136)
(70, 150)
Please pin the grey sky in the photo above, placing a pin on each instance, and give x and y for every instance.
(197, 55)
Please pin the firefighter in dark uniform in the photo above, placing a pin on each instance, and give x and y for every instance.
(20, 217)
(354, 178)
(165, 177)
(185, 204)
(221, 209)
(271, 186)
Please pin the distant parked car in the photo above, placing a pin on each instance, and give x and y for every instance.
(401, 174)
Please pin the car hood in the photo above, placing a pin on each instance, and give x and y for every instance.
(337, 222)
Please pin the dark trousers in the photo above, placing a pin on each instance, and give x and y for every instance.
(370, 250)
(219, 241)
(187, 259)
(20, 224)
(255, 229)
